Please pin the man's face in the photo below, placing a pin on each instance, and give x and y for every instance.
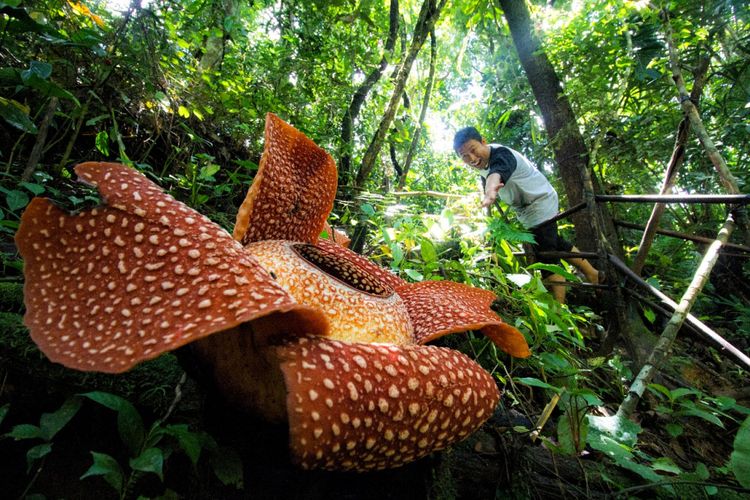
(475, 154)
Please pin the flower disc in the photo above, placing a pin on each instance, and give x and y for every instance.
(359, 307)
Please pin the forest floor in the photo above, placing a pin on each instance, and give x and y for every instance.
(499, 461)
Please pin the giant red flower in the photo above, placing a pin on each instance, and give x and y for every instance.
(291, 327)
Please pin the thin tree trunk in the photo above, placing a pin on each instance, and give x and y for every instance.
(675, 162)
(213, 49)
(661, 349)
(422, 113)
(41, 140)
(427, 17)
(689, 108)
(351, 113)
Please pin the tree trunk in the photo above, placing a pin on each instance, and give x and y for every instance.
(422, 113)
(569, 148)
(351, 113)
(213, 48)
(427, 17)
(594, 227)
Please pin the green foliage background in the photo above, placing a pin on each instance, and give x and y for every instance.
(180, 91)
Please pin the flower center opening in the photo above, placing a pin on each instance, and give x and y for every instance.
(342, 270)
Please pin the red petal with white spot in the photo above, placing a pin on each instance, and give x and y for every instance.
(376, 406)
(438, 308)
(110, 287)
(293, 191)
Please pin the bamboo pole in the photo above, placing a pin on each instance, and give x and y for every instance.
(661, 349)
(675, 162)
(691, 111)
(704, 329)
(739, 199)
(683, 236)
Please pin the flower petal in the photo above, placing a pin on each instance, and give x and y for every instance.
(437, 308)
(375, 406)
(293, 191)
(110, 287)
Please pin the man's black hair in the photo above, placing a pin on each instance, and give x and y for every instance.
(464, 135)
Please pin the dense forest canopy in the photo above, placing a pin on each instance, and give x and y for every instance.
(179, 90)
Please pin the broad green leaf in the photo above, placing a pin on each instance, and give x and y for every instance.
(674, 430)
(39, 69)
(151, 460)
(35, 189)
(622, 430)
(17, 115)
(35, 453)
(16, 199)
(739, 460)
(107, 467)
(227, 466)
(427, 249)
(129, 422)
(208, 172)
(666, 464)
(183, 112)
(51, 423)
(414, 274)
(367, 209)
(188, 440)
(24, 431)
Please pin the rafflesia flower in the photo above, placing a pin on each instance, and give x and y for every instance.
(290, 327)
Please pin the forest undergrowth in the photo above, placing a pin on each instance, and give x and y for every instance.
(148, 88)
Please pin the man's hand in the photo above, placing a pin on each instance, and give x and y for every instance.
(491, 186)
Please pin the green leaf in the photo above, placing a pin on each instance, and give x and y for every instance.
(693, 411)
(666, 464)
(739, 460)
(427, 250)
(183, 112)
(129, 421)
(397, 253)
(565, 435)
(37, 68)
(650, 314)
(414, 274)
(227, 466)
(17, 115)
(367, 209)
(674, 430)
(51, 423)
(35, 453)
(102, 142)
(35, 189)
(16, 199)
(207, 172)
(535, 382)
(25, 431)
(151, 460)
(4, 410)
(188, 440)
(106, 466)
